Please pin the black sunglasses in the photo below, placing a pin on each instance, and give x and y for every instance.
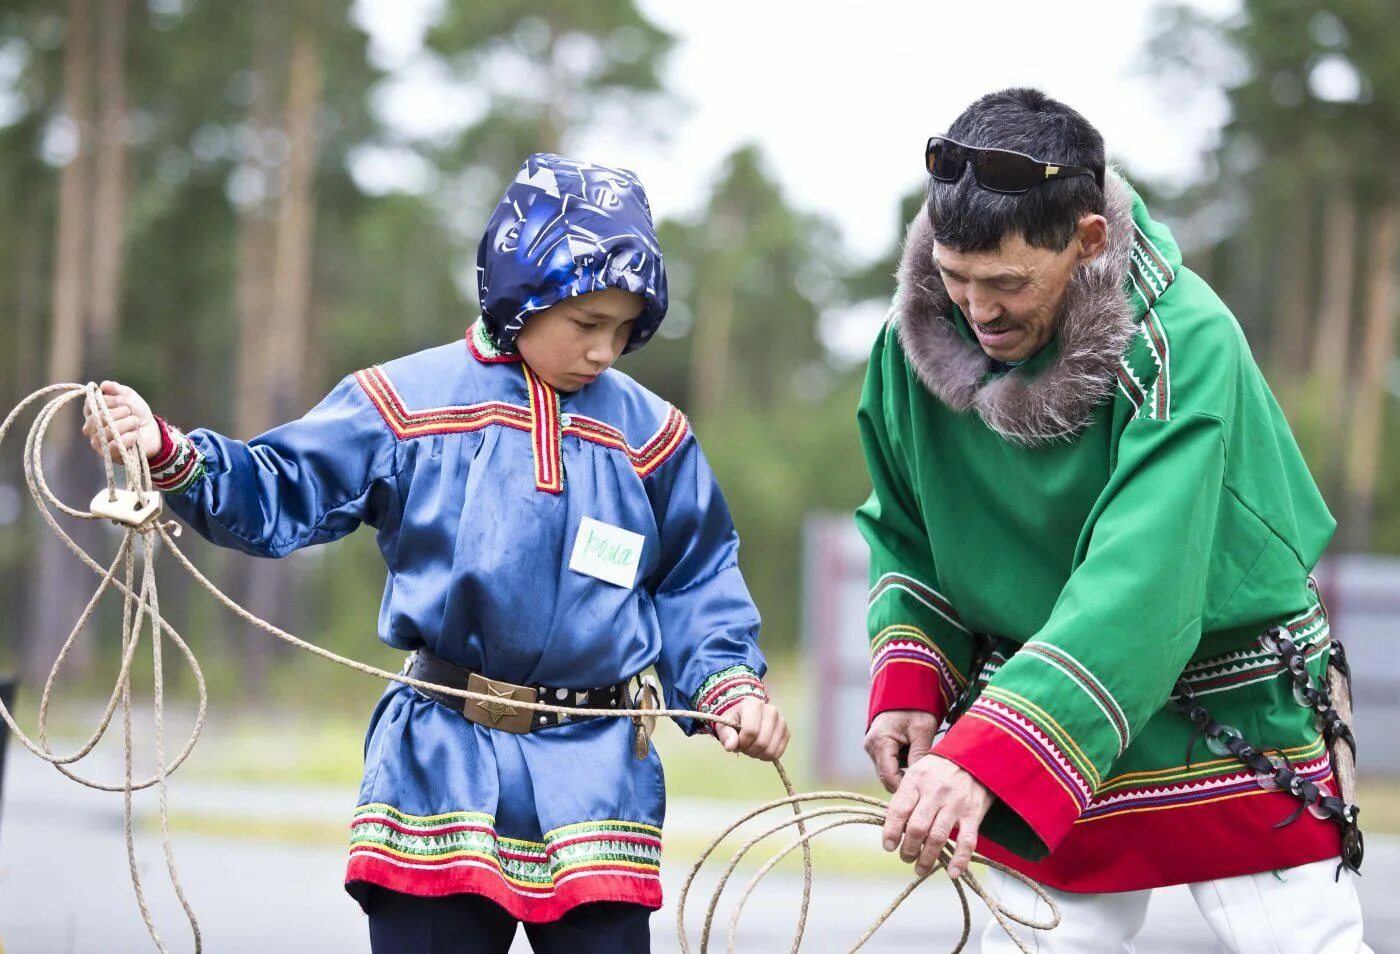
(998, 170)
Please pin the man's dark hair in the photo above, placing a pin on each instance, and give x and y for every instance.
(969, 218)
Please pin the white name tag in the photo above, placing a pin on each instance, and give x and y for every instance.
(608, 553)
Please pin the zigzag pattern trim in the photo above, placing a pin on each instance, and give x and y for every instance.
(1016, 724)
(533, 869)
(911, 646)
(1229, 785)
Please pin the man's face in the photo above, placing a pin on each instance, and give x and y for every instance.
(569, 344)
(1014, 296)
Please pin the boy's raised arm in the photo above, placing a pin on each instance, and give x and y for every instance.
(306, 482)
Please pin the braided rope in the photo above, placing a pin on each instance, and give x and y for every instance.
(141, 609)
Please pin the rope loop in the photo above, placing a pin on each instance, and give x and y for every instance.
(141, 613)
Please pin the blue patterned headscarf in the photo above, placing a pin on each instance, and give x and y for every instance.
(566, 228)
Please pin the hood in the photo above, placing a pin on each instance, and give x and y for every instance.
(567, 227)
(1042, 401)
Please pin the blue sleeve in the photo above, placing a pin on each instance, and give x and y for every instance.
(307, 482)
(709, 659)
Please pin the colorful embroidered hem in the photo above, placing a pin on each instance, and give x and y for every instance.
(460, 852)
(178, 464)
(1152, 846)
(726, 689)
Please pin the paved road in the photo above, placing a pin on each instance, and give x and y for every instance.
(64, 885)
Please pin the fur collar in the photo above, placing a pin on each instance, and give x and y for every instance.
(1035, 408)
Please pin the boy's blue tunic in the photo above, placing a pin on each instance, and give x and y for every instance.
(476, 476)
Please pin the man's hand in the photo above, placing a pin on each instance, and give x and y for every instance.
(893, 730)
(935, 797)
(763, 734)
(131, 416)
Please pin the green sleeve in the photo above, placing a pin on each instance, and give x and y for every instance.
(920, 651)
(1058, 714)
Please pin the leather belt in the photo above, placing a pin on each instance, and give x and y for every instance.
(428, 667)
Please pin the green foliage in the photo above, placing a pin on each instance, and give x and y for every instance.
(391, 273)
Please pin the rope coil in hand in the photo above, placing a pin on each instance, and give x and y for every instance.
(141, 608)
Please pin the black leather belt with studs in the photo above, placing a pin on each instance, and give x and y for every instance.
(428, 667)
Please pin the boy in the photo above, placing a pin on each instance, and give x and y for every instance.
(551, 529)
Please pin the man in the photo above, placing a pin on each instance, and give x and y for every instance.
(1091, 532)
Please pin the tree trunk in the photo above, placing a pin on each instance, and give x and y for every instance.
(291, 287)
(109, 200)
(714, 317)
(1377, 349)
(256, 239)
(714, 324)
(59, 579)
(281, 353)
(74, 189)
(1292, 306)
(253, 580)
(1327, 389)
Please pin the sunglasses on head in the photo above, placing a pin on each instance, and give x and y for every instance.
(998, 170)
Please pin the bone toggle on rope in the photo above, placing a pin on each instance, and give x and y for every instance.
(128, 508)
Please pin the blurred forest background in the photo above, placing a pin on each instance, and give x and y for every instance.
(183, 211)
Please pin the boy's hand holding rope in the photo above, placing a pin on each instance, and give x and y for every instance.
(137, 509)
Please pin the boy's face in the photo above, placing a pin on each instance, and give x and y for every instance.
(569, 344)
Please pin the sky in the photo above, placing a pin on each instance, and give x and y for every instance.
(841, 97)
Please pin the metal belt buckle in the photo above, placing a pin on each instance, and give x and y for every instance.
(499, 715)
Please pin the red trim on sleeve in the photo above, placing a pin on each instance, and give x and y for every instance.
(166, 453)
(1007, 753)
(906, 685)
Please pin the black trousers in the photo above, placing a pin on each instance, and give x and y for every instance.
(471, 924)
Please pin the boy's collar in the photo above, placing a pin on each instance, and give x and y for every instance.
(484, 349)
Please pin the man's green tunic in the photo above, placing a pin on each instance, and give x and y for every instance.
(1126, 510)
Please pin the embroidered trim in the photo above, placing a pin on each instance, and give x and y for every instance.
(726, 689)
(1131, 387)
(1038, 742)
(443, 420)
(921, 592)
(545, 433)
(483, 349)
(408, 424)
(1257, 663)
(909, 645)
(663, 444)
(1196, 771)
(1156, 336)
(177, 470)
(1231, 785)
(535, 869)
(1079, 674)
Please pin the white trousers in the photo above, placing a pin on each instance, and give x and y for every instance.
(1299, 910)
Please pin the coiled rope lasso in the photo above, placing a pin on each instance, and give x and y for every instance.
(141, 609)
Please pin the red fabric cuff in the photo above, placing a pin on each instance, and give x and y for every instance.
(1022, 766)
(906, 685)
(166, 453)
